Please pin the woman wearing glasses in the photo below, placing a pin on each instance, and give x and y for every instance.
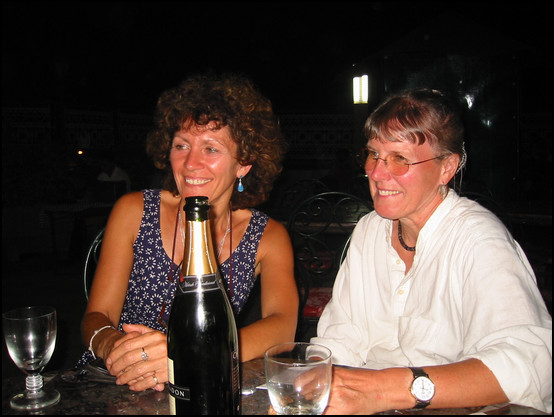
(216, 137)
(435, 304)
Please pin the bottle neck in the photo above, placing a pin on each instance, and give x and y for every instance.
(199, 257)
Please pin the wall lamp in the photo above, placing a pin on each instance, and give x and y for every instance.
(360, 90)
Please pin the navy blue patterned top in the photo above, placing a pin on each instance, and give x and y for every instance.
(149, 288)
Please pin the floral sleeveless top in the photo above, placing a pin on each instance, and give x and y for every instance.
(150, 290)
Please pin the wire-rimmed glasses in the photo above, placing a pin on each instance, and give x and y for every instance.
(396, 164)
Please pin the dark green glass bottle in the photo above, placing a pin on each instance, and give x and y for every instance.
(202, 337)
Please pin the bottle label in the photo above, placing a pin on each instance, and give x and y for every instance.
(175, 392)
(180, 393)
(194, 283)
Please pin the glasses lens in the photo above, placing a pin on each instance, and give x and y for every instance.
(393, 164)
(370, 163)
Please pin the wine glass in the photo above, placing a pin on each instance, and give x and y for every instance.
(30, 334)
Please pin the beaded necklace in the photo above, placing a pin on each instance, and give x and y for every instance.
(408, 248)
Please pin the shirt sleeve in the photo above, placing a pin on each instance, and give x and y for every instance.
(506, 322)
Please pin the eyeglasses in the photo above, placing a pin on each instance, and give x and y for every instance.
(396, 164)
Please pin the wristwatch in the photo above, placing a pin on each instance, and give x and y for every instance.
(422, 388)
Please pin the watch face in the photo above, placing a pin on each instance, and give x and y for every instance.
(423, 389)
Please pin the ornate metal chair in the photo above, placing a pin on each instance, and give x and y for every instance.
(91, 261)
(320, 227)
(287, 195)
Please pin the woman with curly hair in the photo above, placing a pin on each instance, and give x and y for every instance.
(217, 137)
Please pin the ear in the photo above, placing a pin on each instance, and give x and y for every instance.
(449, 167)
(243, 170)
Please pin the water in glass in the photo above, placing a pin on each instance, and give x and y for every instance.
(298, 377)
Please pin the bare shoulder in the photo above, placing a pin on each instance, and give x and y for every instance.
(275, 233)
(275, 252)
(275, 226)
(127, 213)
(130, 204)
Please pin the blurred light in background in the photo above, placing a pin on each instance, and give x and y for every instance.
(361, 89)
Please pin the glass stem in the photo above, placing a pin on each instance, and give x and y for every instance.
(33, 383)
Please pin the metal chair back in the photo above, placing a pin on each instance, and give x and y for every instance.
(320, 227)
(91, 261)
(287, 195)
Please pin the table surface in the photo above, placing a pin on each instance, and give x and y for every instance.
(82, 396)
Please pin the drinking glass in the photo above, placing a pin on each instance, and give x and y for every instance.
(298, 377)
(30, 334)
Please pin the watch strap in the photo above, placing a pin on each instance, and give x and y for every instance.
(419, 372)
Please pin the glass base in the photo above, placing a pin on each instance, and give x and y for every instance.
(30, 400)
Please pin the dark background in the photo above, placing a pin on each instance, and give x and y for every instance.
(121, 55)
(117, 57)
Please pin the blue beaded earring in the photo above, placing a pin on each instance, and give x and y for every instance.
(240, 187)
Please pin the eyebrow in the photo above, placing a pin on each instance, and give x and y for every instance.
(183, 137)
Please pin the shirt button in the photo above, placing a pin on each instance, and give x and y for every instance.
(398, 262)
(400, 292)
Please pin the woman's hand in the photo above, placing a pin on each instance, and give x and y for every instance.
(139, 358)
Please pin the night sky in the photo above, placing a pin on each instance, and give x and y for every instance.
(122, 55)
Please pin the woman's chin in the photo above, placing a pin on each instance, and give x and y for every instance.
(386, 210)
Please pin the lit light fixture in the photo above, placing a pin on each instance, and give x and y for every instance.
(361, 89)
(80, 152)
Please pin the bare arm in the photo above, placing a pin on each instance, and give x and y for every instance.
(363, 391)
(279, 295)
(111, 278)
(121, 351)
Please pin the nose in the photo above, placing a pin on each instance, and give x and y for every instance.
(379, 171)
(194, 159)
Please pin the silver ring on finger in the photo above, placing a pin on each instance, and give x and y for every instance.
(155, 378)
(144, 355)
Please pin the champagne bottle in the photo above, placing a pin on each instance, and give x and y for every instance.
(202, 337)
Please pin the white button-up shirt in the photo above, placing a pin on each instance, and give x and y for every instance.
(470, 293)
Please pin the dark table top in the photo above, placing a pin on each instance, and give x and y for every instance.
(82, 396)
(85, 396)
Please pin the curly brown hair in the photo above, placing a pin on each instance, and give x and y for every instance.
(227, 100)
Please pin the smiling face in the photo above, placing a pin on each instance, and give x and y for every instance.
(415, 194)
(203, 163)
